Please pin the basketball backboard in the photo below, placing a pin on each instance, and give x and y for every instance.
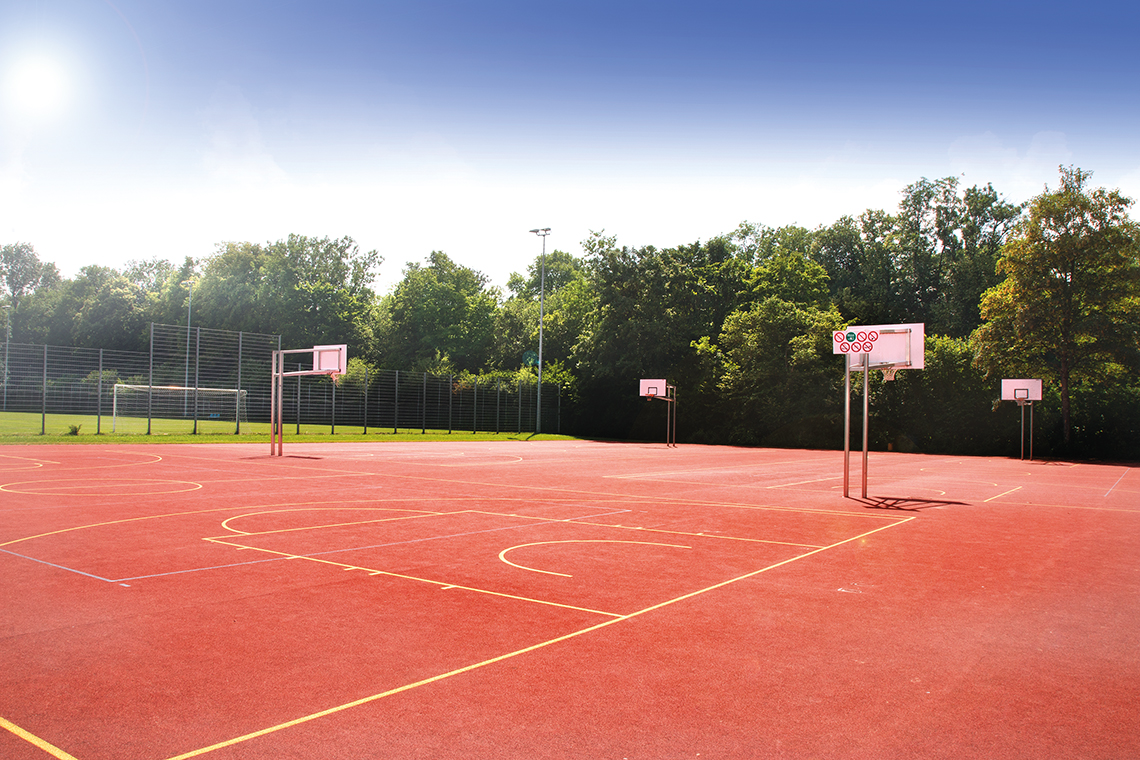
(653, 388)
(332, 359)
(901, 346)
(1020, 390)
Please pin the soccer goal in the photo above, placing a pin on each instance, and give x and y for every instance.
(177, 402)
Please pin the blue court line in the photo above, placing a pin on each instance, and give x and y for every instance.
(1114, 485)
(58, 567)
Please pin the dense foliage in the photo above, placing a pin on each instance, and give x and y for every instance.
(740, 323)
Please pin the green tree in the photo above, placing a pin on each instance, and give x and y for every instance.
(1069, 308)
(308, 290)
(442, 309)
(569, 303)
(776, 377)
(22, 272)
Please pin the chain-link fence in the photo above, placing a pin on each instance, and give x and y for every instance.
(199, 380)
(417, 402)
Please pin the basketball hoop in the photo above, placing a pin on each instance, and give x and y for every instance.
(889, 373)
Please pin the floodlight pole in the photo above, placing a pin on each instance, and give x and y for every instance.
(542, 232)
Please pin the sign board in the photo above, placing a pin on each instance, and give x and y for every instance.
(902, 346)
(1021, 390)
(653, 388)
(331, 359)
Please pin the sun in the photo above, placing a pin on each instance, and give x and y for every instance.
(37, 86)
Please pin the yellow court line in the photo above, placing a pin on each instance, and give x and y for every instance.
(1003, 494)
(725, 468)
(441, 584)
(191, 513)
(510, 655)
(31, 738)
(634, 498)
(1068, 506)
(575, 541)
(420, 513)
(28, 459)
(57, 487)
(702, 535)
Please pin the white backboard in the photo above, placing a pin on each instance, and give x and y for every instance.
(1020, 390)
(331, 359)
(653, 388)
(902, 346)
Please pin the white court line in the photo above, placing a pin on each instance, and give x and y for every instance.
(1114, 485)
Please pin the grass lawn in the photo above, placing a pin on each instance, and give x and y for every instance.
(25, 427)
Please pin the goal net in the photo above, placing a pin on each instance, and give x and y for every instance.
(177, 402)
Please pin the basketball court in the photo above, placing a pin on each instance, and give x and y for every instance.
(562, 599)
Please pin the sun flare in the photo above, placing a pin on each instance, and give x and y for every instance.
(37, 86)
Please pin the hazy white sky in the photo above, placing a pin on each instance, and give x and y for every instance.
(131, 129)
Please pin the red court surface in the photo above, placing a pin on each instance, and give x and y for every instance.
(563, 600)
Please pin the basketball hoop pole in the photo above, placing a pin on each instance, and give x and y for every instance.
(277, 386)
(866, 414)
(846, 424)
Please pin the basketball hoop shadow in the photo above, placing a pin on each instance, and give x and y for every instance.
(907, 504)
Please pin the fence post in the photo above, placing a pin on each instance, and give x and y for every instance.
(237, 403)
(43, 413)
(365, 401)
(332, 429)
(498, 403)
(558, 411)
(520, 406)
(197, 363)
(396, 407)
(99, 397)
(475, 407)
(450, 396)
(150, 382)
(423, 407)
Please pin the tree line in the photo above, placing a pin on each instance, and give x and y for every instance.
(740, 323)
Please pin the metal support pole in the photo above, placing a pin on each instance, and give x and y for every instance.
(475, 407)
(237, 403)
(43, 398)
(1030, 431)
(332, 412)
(846, 425)
(98, 397)
(866, 411)
(150, 382)
(396, 406)
(423, 408)
(365, 401)
(1022, 430)
(273, 404)
(197, 364)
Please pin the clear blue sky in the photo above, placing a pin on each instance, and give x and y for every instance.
(458, 126)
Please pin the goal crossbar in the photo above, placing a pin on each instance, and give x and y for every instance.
(227, 401)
